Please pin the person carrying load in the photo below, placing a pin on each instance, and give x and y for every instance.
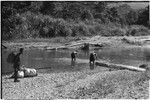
(15, 60)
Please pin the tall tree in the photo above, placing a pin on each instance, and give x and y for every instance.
(131, 17)
(144, 17)
(48, 7)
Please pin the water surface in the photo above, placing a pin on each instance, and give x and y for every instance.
(47, 59)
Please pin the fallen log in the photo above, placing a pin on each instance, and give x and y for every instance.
(76, 44)
(86, 45)
(119, 66)
(64, 47)
(82, 45)
(56, 48)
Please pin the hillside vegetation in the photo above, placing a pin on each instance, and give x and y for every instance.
(46, 19)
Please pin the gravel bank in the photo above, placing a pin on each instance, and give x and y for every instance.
(78, 84)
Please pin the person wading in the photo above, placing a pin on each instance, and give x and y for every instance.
(16, 64)
(93, 56)
(73, 56)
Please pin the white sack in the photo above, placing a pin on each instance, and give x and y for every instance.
(20, 74)
(30, 72)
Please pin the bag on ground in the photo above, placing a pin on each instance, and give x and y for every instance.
(20, 74)
(28, 72)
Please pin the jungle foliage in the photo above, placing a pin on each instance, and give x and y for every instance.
(32, 19)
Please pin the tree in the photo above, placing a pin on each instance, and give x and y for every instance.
(131, 17)
(143, 18)
(10, 10)
(48, 8)
(36, 6)
(113, 14)
(100, 6)
(72, 10)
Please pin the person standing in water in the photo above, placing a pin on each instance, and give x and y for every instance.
(92, 59)
(73, 56)
(16, 64)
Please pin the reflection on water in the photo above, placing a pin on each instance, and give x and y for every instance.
(48, 58)
(91, 66)
(146, 54)
(72, 63)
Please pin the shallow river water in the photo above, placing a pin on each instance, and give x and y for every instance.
(46, 59)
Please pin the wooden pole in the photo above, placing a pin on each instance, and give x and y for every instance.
(119, 66)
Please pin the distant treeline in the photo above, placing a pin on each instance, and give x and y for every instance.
(43, 19)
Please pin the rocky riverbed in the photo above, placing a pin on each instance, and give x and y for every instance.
(99, 83)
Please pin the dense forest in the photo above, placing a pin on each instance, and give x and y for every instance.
(45, 19)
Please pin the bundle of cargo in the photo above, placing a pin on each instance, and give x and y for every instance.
(26, 72)
(30, 72)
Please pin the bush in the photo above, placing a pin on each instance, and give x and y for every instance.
(80, 29)
(31, 25)
(62, 28)
(102, 30)
(92, 30)
(137, 30)
(117, 32)
(8, 27)
(109, 30)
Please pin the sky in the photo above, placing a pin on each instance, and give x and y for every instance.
(138, 5)
(134, 5)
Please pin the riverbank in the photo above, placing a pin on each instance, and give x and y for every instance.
(99, 83)
(71, 42)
